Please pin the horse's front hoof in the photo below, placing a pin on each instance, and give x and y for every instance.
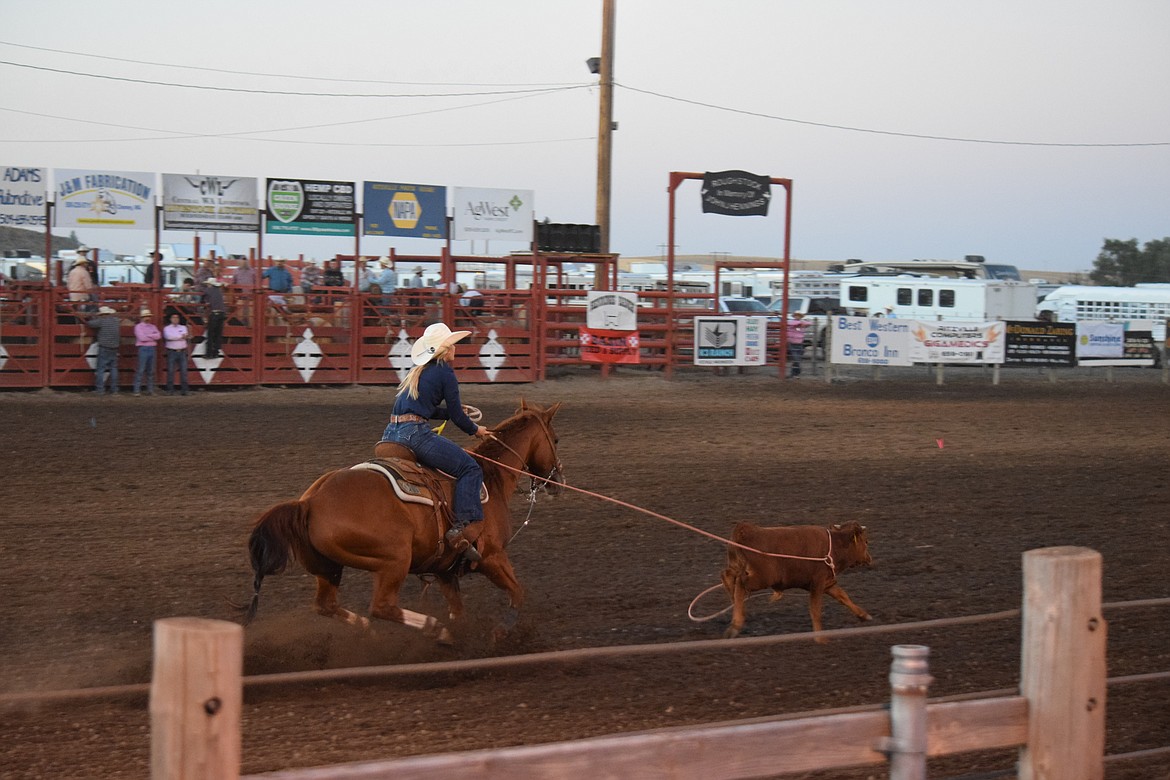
(445, 638)
(731, 633)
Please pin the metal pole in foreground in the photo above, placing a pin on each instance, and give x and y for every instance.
(909, 679)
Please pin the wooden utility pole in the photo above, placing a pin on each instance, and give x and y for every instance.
(605, 123)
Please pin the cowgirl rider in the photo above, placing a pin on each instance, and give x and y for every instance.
(430, 391)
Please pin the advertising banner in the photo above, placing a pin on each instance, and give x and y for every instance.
(599, 345)
(957, 342)
(22, 196)
(1100, 340)
(611, 310)
(493, 214)
(736, 194)
(310, 207)
(410, 210)
(198, 202)
(120, 199)
(869, 341)
(731, 341)
(1041, 344)
(1138, 347)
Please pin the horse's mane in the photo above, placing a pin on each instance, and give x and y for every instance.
(490, 448)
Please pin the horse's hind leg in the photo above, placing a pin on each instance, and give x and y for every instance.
(327, 604)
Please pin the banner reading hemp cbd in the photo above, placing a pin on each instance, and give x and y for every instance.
(310, 207)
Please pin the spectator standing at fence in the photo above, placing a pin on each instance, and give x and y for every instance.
(216, 316)
(333, 276)
(387, 277)
(207, 270)
(245, 275)
(279, 278)
(175, 338)
(146, 337)
(109, 338)
(310, 276)
(417, 281)
(795, 330)
(80, 281)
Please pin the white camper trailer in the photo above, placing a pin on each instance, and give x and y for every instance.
(934, 298)
(1141, 307)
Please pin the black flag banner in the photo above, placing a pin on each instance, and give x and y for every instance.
(736, 194)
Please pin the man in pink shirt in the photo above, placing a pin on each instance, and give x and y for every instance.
(146, 336)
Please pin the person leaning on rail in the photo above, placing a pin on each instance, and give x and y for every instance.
(430, 391)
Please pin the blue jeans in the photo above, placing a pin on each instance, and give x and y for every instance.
(176, 361)
(107, 362)
(146, 367)
(795, 353)
(443, 454)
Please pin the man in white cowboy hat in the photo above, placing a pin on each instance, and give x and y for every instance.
(216, 316)
(387, 278)
(109, 338)
(146, 338)
(80, 281)
(430, 391)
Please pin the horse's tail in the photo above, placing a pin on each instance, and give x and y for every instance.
(279, 534)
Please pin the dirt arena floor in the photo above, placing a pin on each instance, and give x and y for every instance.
(117, 512)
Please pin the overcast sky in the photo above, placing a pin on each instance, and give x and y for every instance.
(1063, 108)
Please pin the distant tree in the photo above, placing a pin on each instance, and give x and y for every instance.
(1122, 264)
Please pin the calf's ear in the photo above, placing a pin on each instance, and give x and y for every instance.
(836, 526)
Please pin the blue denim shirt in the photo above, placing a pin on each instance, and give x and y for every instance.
(437, 386)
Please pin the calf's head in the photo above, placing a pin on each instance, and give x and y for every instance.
(855, 551)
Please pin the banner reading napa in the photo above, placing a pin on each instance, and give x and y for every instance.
(411, 210)
(198, 202)
(22, 196)
(869, 341)
(121, 199)
(310, 207)
(957, 342)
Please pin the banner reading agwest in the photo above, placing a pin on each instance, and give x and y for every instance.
(197, 202)
(121, 199)
(22, 196)
(493, 214)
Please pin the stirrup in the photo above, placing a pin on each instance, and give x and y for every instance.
(460, 544)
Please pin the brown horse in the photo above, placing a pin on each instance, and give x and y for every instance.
(354, 517)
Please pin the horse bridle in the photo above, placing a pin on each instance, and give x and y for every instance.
(557, 468)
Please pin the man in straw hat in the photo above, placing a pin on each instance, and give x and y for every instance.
(109, 338)
(430, 391)
(387, 278)
(146, 337)
(79, 280)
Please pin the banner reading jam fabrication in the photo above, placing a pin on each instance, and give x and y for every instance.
(310, 207)
(196, 202)
(121, 199)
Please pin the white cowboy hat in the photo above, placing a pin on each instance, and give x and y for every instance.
(433, 338)
(386, 262)
(146, 313)
(106, 310)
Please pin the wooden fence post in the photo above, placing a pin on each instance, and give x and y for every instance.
(196, 694)
(909, 679)
(1062, 668)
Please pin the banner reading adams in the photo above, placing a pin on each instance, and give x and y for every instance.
(310, 207)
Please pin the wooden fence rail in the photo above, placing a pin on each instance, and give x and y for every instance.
(1057, 720)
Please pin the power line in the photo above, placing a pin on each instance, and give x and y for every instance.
(273, 75)
(289, 92)
(924, 136)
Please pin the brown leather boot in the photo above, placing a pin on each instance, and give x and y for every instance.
(460, 544)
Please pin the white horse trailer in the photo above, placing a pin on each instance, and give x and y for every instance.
(936, 298)
(1141, 307)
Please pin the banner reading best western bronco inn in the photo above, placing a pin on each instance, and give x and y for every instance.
(121, 199)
